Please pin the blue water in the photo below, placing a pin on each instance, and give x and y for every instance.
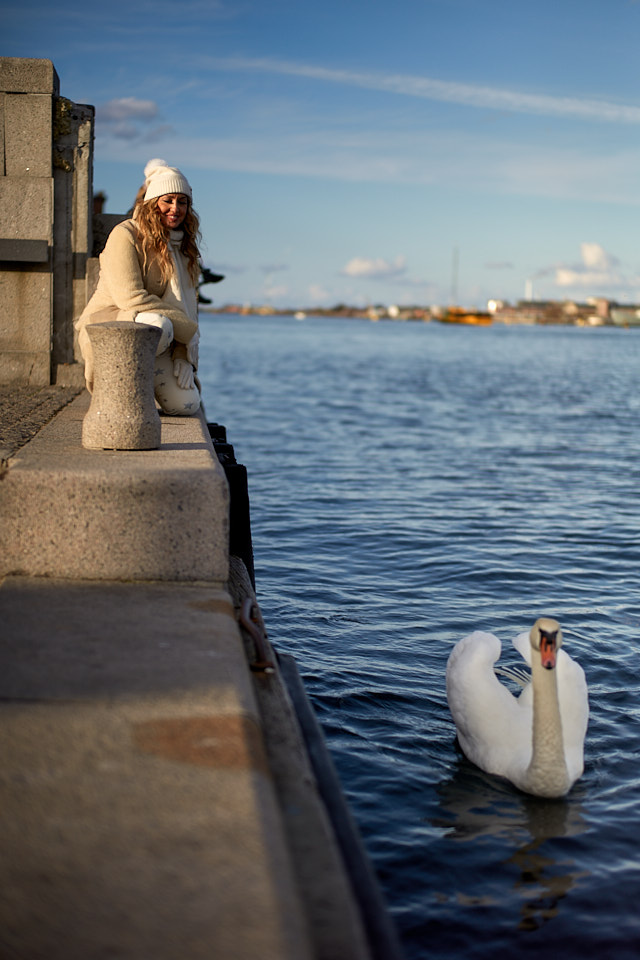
(410, 483)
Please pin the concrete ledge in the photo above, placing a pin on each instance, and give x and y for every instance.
(106, 515)
(140, 817)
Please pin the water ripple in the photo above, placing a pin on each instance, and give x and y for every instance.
(410, 483)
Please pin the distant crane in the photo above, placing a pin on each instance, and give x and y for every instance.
(454, 275)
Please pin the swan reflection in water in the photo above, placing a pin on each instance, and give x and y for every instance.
(478, 807)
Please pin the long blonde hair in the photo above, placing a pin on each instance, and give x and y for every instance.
(155, 236)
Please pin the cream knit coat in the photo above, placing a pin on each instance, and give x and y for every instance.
(125, 290)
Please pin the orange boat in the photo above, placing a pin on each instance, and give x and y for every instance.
(471, 318)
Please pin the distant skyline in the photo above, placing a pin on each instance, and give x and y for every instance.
(362, 151)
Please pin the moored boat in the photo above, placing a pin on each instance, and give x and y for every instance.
(474, 318)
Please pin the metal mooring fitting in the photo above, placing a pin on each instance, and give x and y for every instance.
(263, 661)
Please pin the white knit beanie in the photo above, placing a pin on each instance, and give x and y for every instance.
(160, 179)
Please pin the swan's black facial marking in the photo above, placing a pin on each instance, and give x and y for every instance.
(548, 645)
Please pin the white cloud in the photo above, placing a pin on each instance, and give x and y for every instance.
(229, 268)
(377, 269)
(465, 159)
(318, 294)
(597, 271)
(127, 108)
(270, 268)
(596, 257)
(587, 279)
(487, 98)
(131, 119)
(274, 291)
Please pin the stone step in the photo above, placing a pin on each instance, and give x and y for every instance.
(163, 514)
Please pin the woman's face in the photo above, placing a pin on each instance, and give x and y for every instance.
(173, 209)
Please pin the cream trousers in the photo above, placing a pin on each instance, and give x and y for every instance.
(172, 398)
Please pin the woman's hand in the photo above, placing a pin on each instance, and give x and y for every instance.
(192, 349)
(183, 372)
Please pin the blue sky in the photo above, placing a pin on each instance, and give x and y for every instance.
(342, 150)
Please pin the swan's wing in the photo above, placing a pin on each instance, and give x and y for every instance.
(522, 643)
(519, 675)
(494, 729)
(516, 673)
(574, 711)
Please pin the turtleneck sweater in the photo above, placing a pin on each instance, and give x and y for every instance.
(180, 290)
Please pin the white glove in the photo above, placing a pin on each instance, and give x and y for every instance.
(183, 372)
(192, 349)
(158, 320)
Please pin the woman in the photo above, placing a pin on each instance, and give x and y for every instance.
(149, 271)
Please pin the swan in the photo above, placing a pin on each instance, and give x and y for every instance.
(535, 740)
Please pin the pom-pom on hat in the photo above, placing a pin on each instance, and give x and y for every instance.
(160, 179)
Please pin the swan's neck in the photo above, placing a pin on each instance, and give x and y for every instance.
(547, 774)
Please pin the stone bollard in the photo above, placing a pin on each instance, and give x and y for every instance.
(123, 413)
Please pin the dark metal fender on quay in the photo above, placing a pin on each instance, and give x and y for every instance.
(240, 544)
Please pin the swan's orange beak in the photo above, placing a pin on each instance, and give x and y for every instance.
(548, 649)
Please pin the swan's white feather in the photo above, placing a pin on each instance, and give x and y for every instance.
(495, 727)
(484, 710)
(517, 674)
(574, 711)
(523, 646)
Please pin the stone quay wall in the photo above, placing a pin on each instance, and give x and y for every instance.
(46, 192)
